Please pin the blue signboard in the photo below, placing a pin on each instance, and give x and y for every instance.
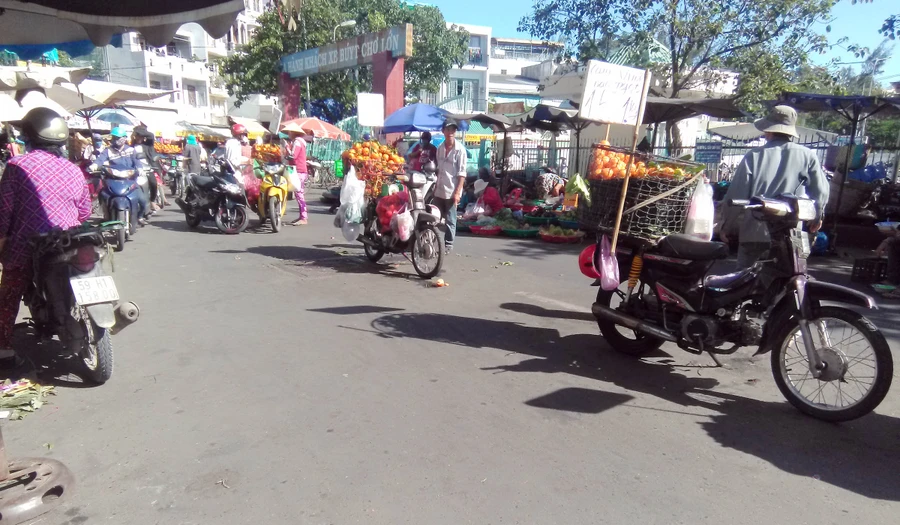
(708, 152)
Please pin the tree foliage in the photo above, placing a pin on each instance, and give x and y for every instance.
(256, 67)
(891, 26)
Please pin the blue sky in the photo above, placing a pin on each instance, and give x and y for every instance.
(858, 22)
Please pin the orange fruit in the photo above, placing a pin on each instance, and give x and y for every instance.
(603, 143)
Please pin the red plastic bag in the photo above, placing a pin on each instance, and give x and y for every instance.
(609, 267)
(390, 205)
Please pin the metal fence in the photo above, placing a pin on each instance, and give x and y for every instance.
(567, 157)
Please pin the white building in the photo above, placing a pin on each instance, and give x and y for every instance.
(510, 81)
(467, 89)
(186, 65)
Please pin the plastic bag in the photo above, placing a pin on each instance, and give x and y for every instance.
(353, 197)
(402, 224)
(609, 266)
(474, 210)
(577, 186)
(293, 179)
(351, 231)
(339, 218)
(701, 214)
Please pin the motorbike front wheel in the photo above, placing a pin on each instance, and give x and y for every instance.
(275, 213)
(232, 223)
(858, 365)
(97, 352)
(427, 254)
(121, 232)
(620, 338)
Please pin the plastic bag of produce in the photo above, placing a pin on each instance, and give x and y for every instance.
(577, 186)
(389, 206)
(351, 231)
(402, 224)
(474, 210)
(701, 214)
(353, 197)
(609, 266)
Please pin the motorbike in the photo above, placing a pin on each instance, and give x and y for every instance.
(71, 297)
(144, 182)
(120, 201)
(883, 204)
(217, 197)
(176, 177)
(424, 241)
(273, 194)
(828, 361)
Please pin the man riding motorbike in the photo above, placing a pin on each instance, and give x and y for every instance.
(145, 153)
(39, 191)
(120, 156)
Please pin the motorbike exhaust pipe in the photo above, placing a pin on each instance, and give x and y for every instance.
(628, 321)
(126, 313)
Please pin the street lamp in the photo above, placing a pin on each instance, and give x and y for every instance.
(345, 23)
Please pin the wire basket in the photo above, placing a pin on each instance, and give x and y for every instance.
(657, 200)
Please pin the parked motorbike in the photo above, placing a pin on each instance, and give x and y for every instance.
(72, 297)
(217, 197)
(883, 204)
(424, 241)
(120, 201)
(829, 362)
(273, 194)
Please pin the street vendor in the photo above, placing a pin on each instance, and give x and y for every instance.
(780, 166)
(422, 152)
(298, 153)
(548, 184)
(451, 178)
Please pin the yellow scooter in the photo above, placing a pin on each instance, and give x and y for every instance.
(273, 192)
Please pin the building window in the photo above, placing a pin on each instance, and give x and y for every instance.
(191, 94)
(502, 71)
(155, 84)
(474, 41)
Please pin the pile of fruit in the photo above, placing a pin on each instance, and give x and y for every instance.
(166, 149)
(607, 164)
(557, 231)
(374, 163)
(267, 153)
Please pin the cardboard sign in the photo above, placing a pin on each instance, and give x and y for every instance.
(350, 52)
(612, 93)
(370, 109)
(708, 152)
(570, 202)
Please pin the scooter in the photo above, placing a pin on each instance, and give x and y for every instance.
(144, 182)
(273, 193)
(120, 199)
(218, 198)
(424, 241)
(71, 296)
(176, 176)
(829, 362)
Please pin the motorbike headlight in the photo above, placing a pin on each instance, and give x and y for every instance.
(271, 170)
(233, 189)
(806, 209)
(418, 178)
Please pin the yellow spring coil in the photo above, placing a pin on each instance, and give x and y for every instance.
(637, 263)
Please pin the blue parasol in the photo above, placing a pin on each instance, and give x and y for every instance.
(418, 117)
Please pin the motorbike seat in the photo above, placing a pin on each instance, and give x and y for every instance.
(730, 281)
(688, 247)
(204, 182)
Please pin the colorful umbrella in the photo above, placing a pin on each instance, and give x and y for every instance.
(315, 127)
(418, 117)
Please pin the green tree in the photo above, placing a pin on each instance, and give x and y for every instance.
(706, 39)
(891, 26)
(256, 67)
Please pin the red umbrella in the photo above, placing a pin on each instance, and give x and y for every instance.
(315, 127)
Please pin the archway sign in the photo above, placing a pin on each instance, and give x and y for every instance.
(384, 50)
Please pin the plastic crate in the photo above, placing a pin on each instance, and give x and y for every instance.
(869, 270)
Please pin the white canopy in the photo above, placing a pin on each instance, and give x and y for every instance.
(15, 78)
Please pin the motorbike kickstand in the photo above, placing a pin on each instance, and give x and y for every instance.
(712, 355)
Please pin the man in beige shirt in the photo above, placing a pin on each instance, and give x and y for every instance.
(451, 178)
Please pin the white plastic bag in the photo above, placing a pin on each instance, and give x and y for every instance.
(474, 209)
(609, 266)
(701, 214)
(293, 179)
(402, 224)
(351, 231)
(353, 197)
(339, 218)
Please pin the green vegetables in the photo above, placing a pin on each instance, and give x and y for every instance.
(557, 231)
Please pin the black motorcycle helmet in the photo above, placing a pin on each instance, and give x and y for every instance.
(43, 126)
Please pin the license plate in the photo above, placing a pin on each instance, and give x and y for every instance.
(94, 290)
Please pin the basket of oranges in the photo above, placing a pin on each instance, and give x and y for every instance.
(374, 163)
(665, 184)
(166, 148)
(269, 153)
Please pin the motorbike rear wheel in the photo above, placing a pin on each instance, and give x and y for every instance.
(427, 247)
(96, 353)
(623, 339)
(845, 333)
(274, 212)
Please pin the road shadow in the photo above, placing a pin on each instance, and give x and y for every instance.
(859, 456)
(339, 260)
(45, 362)
(537, 249)
(355, 310)
(538, 311)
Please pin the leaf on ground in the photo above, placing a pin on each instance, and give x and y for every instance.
(506, 263)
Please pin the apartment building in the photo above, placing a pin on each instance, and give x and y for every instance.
(509, 83)
(187, 66)
(467, 89)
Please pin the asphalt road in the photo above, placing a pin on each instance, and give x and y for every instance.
(283, 379)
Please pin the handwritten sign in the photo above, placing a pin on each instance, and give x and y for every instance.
(612, 93)
(350, 52)
(370, 109)
(708, 152)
